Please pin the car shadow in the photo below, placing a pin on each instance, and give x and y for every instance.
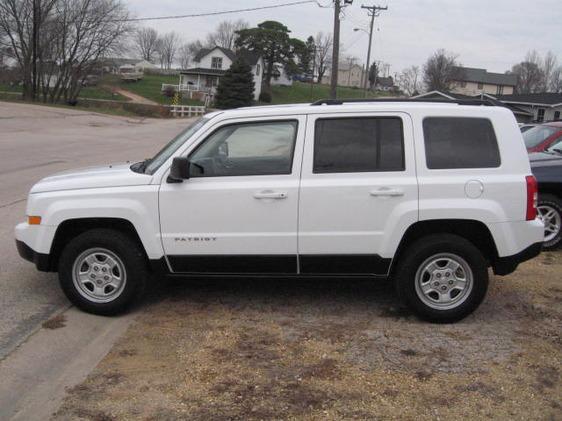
(317, 294)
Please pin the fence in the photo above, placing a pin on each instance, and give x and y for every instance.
(187, 110)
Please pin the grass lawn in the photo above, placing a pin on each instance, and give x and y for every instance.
(91, 92)
(149, 87)
(301, 92)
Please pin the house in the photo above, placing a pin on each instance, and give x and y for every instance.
(348, 76)
(471, 81)
(541, 107)
(522, 115)
(211, 64)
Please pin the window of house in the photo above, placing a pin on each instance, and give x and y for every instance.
(480, 85)
(262, 148)
(358, 144)
(556, 115)
(540, 115)
(499, 90)
(258, 69)
(216, 62)
(460, 142)
(463, 84)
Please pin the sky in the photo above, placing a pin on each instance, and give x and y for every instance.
(490, 34)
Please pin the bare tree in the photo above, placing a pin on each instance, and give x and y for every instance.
(529, 73)
(22, 25)
(184, 56)
(323, 57)
(440, 70)
(57, 42)
(409, 80)
(146, 43)
(226, 33)
(167, 49)
(555, 84)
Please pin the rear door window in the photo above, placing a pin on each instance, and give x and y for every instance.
(358, 144)
(460, 142)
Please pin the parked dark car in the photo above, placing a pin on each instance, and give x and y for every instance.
(547, 169)
(542, 136)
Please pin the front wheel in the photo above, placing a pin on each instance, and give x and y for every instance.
(102, 271)
(442, 278)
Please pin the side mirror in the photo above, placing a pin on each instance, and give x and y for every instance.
(179, 170)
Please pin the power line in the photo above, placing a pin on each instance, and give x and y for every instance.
(223, 12)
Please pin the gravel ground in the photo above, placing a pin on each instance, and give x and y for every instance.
(331, 349)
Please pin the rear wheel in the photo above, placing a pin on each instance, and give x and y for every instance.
(550, 212)
(442, 278)
(102, 271)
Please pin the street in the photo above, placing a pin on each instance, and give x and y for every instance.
(36, 141)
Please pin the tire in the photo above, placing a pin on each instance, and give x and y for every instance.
(102, 271)
(550, 212)
(415, 273)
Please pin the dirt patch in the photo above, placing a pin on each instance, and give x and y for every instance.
(55, 322)
(332, 349)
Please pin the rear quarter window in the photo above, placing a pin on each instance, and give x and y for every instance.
(460, 142)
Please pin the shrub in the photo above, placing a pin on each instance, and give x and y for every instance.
(236, 87)
(169, 91)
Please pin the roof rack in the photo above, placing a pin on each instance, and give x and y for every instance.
(414, 100)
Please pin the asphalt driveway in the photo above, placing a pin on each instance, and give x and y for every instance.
(36, 141)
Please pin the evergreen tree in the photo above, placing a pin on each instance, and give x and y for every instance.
(236, 87)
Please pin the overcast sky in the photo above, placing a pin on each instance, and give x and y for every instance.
(490, 34)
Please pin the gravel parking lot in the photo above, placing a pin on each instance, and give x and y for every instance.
(331, 349)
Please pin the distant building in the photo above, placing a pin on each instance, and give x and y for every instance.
(348, 76)
(385, 84)
(116, 65)
(471, 81)
(542, 107)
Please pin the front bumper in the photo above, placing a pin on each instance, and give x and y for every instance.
(42, 261)
(34, 243)
(508, 264)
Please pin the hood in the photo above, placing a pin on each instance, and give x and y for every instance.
(115, 175)
(545, 159)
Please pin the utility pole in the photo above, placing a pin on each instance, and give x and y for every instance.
(335, 50)
(373, 12)
(336, 47)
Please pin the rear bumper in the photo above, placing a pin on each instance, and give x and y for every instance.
(41, 260)
(508, 264)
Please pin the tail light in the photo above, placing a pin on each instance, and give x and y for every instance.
(532, 197)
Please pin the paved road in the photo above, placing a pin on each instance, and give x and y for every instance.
(36, 141)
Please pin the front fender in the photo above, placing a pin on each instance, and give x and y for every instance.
(136, 204)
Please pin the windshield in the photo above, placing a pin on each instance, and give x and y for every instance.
(168, 150)
(537, 134)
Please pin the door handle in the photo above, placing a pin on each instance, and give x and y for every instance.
(387, 192)
(268, 194)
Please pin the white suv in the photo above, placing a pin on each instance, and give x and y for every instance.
(428, 194)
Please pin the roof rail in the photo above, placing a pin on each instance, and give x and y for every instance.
(414, 100)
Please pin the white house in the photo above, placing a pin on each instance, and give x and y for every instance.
(211, 64)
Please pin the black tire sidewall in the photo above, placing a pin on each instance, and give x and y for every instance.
(428, 246)
(125, 248)
(556, 203)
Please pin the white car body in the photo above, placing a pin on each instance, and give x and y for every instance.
(302, 222)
